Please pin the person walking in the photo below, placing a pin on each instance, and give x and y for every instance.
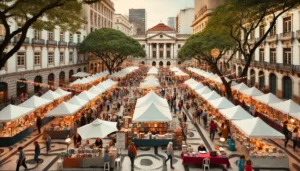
(82, 120)
(170, 154)
(286, 134)
(204, 117)
(48, 143)
(295, 138)
(132, 154)
(212, 130)
(39, 123)
(37, 152)
(198, 114)
(241, 163)
(21, 159)
(107, 103)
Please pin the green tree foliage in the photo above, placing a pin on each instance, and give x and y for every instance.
(64, 14)
(112, 47)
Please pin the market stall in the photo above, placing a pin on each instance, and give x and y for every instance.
(251, 140)
(15, 124)
(64, 94)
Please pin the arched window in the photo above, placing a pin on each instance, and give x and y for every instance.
(261, 79)
(91, 68)
(61, 78)
(37, 79)
(273, 83)
(287, 88)
(143, 63)
(3, 92)
(179, 62)
(252, 77)
(71, 72)
(161, 64)
(239, 71)
(79, 70)
(21, 87)
(51, 79)
(153, 63)
(84, 69)
(168, 63)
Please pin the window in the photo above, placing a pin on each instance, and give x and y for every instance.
(70, 56)
(161, 46)
(261, 55)
(37, 58)
(273, 55)
(261, 31)
(91, 17)
(252, 35)
(21, 59)
(287, 24)
(50, 57)
(154, 54)
(50, 35)
(78, 37)
(62, 36)
(179, 46)
(168, 54)
(61, 57)
(161, 36)
(95, 19)
(36, 34)
(287, 56)
(71, 38)
(273, 30)
(168, 45)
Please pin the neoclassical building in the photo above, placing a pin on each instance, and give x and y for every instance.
(161, 44)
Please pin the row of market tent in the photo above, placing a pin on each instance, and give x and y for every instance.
(178, 72)
(123, 72)
(150, 82)
(87, 79)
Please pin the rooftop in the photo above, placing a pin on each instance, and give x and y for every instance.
(161, 27)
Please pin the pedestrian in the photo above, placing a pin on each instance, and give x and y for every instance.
(295, 138)
(204, 117)
(82, 120)
(107, 103)
(241, 163)
(252, 109)
(248, 166)
(39, 123)
(170, 154)
(286, 134)
(212, 130)
(132, 154)
(37, 152)
(179, 106)
(48, 143)
(198, 115)
(77, 140)
(22, 159)
(174, 106)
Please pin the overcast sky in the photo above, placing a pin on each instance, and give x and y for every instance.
(157, 10)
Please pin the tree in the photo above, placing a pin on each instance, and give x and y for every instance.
(112, 47)
(240, 18)
(39, 14)
(199, 47)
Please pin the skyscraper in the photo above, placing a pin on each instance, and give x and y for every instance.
(172, 22)
(139, 18)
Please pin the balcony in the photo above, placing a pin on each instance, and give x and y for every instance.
(26, 41)
(287, 37)
(71, 44)
(298, 35)
(37, 41)
(252, 41)
(62, 44)
(272, 38)
(51, 43)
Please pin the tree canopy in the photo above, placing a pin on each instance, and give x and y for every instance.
(112, 47)
(39, 14)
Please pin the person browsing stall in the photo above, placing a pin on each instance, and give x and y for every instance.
(77, 140)
(98, 143)
(202, 148)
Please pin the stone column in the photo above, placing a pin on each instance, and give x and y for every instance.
(165, 51)
(157, 50)
(172, 50)
(150, 53)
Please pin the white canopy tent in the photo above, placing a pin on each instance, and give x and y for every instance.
(51, 95)
(75, 100)
(85, 95)
(152, 113)
(256, 128)
(81, 74)
(153, 70)
(221, 103)
(97, 129)
(62, 92)
(151, 77)
(175, 69)
(252, 92)
(190, 81)
(233, 83)
(110, 82)
(12, 113)
(35, 102)
(196, 86)
(96, 90)
(151, 97)
(235, 113)
(64, 109)
(267, 98)
(203, 90)
(240, 87)
(181, 73)
(211, 96)
(286, 107)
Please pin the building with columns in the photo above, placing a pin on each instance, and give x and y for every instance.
(161, 44)
(122, 23)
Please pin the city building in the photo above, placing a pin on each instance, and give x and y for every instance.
(202, 12)
(276, 62)
(98, 15)
(139, 18)
(122, 23)
(133, 30)
(184, 21)
(48, 57)
(161, 44)
(172, 22)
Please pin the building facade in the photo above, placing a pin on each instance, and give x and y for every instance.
(122, 24)
(139, 18)
(161, 44)
(184, 21)
(202, 12)
(276, 62)
(133, 30)
(172, 22)
(49, 57)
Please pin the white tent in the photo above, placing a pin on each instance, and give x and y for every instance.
(78, 81)
(35, 102)
(240, 87)
(149, 98)
(110, 82)
(152, 113)
(81, 74)
(181, 73)
(211, 96)
(256, 128)
(97, 129)
(85, 95)
(153, 70)
(75, 100)
(197, 86)
(267, 98)
(203, 90)
(252, 92)
(96, 90)
(286, 107)
(64, 109)
(62, 92)
(221, 103)
(233, 83)
(175, 69)
(51, 95)
(151, 77)
(190, 81)
(150, 84)
(101, 86)
(12, 112)
(235, 113)
(106, 85)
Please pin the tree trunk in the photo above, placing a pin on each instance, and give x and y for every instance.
(228, 91)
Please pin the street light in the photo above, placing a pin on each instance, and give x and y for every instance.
(68, 140)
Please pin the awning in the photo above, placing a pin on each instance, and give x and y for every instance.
(64, 109)
(12, 113)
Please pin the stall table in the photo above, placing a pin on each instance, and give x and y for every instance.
(61, 134)
(152, 143)
(218, 160)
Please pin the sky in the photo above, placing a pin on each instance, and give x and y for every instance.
(157, 10)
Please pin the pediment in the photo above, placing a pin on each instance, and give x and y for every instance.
(161, 36)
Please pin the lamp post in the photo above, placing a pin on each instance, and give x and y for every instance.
(68, 140)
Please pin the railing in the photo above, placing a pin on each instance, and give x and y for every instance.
(272, 38)
(298, 34)
(52, 42)
(252, 41)
(62, 43)
(71, 44)
(288, 35)
(38, 41)
(26, 41)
